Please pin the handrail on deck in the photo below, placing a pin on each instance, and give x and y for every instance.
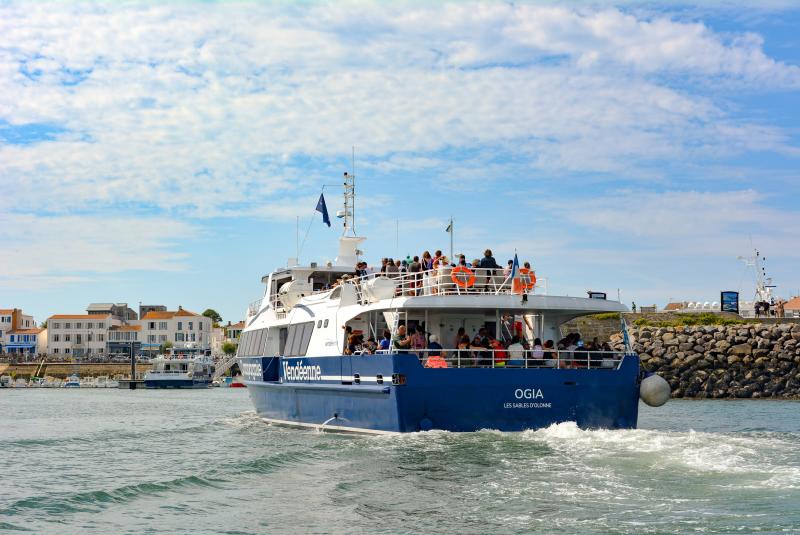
(438, 281)
(476, 357)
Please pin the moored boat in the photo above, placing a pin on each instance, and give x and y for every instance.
(180, 371)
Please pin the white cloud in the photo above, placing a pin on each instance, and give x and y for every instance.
(185, 105)
(690, 222)
(39, 252)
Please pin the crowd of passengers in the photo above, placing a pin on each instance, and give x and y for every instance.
(483, 349)
(397, 268)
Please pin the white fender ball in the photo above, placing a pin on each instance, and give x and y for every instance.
(654, 390)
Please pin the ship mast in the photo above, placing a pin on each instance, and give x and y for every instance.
(350, 199)
(764, 284)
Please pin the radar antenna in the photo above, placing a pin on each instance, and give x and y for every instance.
(350, 199)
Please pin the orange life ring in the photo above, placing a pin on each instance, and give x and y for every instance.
(470, 276)
(531, 275)
(520, 285)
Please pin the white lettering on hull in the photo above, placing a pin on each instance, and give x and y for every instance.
(528, 393)
(299, 372)
(252, 371)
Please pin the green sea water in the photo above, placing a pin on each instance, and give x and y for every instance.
(115, 461)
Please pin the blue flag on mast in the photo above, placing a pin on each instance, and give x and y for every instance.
(515, 267)
(322, 208)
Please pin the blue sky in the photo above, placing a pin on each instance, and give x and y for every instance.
(162, 153)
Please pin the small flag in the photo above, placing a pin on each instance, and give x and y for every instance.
(323, 209)
(625, 338)
(515, 267)
(449, 227)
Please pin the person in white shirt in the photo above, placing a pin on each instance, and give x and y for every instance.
(516, 353)
(537, 353)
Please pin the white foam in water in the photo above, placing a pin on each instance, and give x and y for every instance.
(691, 450)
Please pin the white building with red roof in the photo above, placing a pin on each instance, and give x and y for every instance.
(187, 331)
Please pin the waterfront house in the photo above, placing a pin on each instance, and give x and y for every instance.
(187, 331)
(122, 339)
(13, 319)
(78, 335)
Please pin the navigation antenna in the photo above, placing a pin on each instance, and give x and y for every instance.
(350, 199)
(764, 284)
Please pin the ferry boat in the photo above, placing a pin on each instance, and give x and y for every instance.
(180, 371)
(292, 352)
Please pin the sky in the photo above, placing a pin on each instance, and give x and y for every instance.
(163, 153)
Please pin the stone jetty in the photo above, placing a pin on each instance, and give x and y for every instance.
(724, 361)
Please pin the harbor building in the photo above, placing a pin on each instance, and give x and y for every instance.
(186, 331)
(233, 332)
(79, 335)
(13, 319)
(124, 339)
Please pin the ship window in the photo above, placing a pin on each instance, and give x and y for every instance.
(283, 334)
(319, 324)
(242, 341)
(298, 338)
(325, 324)
(259, 349)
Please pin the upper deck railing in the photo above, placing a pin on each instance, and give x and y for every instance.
(445, 280)
(477, 357)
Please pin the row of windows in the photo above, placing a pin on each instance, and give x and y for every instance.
(87, 351)
(162, 325)
(188, 337)
(22, 338)
(293, 341)
(151, 338)
(252, 343)
(123, 336)
(80, 325)
(79, 338)
(5, 319)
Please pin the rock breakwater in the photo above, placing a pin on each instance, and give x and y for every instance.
(733, 361)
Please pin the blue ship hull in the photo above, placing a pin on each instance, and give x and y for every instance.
(395, 393)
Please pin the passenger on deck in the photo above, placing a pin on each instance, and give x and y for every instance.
(401, 341)
(437, 257)
(464, 356)
(482, 340)
(415, 269)
(418, 342)
(392, 271)
(402, 266)
(384, 263)
(516, 353)
(476, 264)
(427, 261)
(499, 353)
(386, 341)
(434, 346)
(462, 260)
(537, 353)
(459, 335)
(488, 261)
(435, 358)
(508, 268)
(370, 346)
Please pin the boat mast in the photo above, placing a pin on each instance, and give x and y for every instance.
(350, 199)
